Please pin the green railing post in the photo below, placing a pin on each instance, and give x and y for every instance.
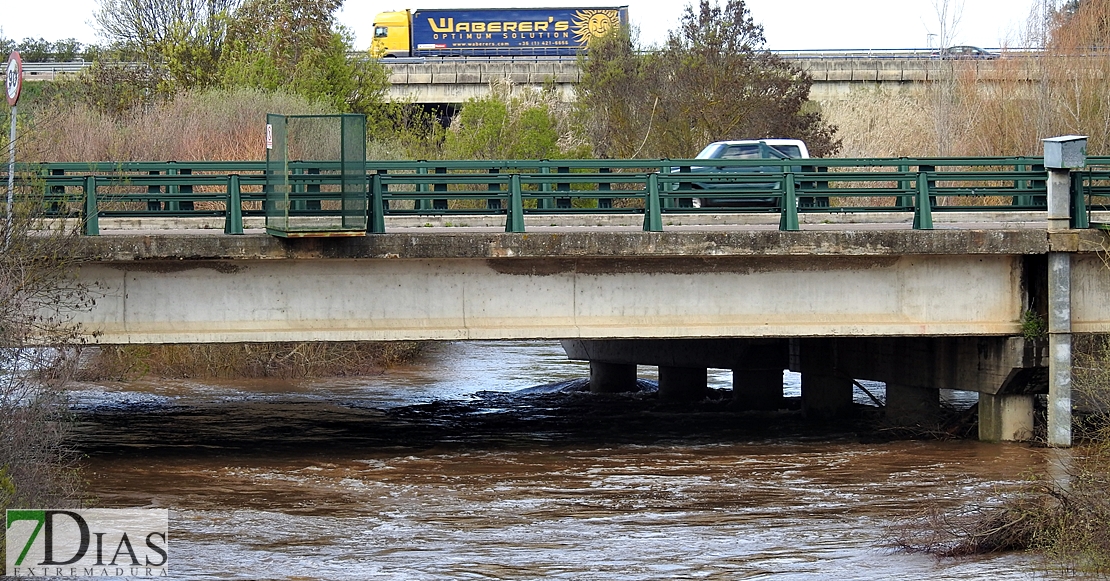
(562, 187)
(313, 204)
(515, 220)
(653, 216)
(1079, 216)
(923, 213)
(788, 220)
(604, 203)
(423, 203)
(156, 204)
(91, 218)
(905, 202)
(442, 203)
(545, 201)
(377, 206)
(296, 200)
(186, 205)
(233, 214)
(171, 205)
(57, 194)
(1021, 200)
(493, 203)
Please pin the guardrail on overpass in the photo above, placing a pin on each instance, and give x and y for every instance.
(513, 189)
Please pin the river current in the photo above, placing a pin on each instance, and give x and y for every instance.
(486, 461)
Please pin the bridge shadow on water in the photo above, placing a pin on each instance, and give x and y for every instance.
(552, 415)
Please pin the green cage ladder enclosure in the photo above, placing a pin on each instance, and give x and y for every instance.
(315, 175)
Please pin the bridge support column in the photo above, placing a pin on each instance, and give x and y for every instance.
(912, 406)
(1059, 349)
(1059, 298)
(757, 389)
(683, 383)
(826, 393)
(612, 377)
(825, 396)
(1005, 418)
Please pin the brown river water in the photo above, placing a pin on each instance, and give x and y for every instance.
(460, 467)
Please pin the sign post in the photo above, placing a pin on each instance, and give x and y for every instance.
(13, 84)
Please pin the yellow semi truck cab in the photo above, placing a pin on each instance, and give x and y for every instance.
(392, 34)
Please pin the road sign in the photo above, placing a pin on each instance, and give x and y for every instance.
(14, 78)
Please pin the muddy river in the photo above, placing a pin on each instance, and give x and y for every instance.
(486, 461)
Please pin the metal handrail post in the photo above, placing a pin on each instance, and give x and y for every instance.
(91, 218)
(515, 220)
(923, 212)
(788, 220)
(653, 216)
(233, 214)
(377, 206)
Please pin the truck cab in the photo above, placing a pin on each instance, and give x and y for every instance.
(392, 34)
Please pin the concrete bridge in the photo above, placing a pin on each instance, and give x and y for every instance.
(921, 310)
(454, 81)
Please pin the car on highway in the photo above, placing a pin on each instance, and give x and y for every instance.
(742, 149)
(964, 52)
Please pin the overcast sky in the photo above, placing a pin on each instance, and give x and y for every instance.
(788, 24)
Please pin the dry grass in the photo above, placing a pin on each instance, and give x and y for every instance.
(247, 360)
(215, 125)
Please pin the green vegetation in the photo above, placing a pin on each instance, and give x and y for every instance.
(712, 80)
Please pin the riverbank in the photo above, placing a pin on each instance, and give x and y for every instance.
(283, 360)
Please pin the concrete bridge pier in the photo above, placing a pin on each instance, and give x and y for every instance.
(612, 377)
(1005, 418)
(757, 389)
(683, 383)
(908, 405)
(826, 391)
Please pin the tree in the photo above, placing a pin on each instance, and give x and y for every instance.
(38, 355)
(183, 36)
(296, 45)
(711, 80)
(528, 125)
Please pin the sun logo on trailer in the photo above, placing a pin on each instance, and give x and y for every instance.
(590, 24)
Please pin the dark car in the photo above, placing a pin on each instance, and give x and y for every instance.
(964, 52)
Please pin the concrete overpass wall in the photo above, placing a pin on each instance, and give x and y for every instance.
(581, 285)
(833, 78)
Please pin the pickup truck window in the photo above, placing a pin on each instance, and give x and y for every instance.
(741, 152)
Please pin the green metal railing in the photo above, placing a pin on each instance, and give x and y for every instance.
(518, 188)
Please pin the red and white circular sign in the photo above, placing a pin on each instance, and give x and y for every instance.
(13, 79)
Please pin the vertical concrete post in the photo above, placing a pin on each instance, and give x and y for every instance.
(825, 392)
(1059, 199)
(683, 383)
(1059, 348)
(757, 389)
(612, 377)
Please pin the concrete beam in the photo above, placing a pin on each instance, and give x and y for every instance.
(732, 353)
